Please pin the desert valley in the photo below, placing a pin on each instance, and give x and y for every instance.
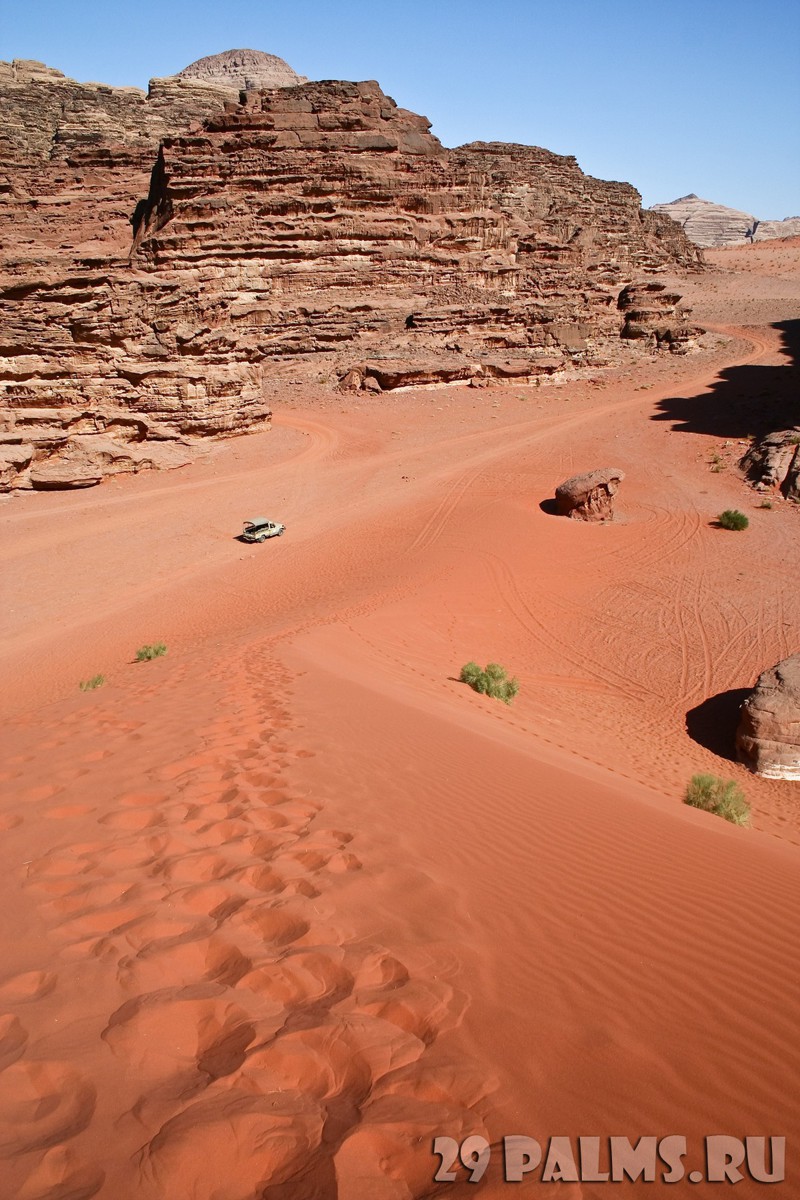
(289, 901)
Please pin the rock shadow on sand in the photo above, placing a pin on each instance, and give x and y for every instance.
(750, 400)
(713, 723)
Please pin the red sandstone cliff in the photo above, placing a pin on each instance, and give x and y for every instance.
(312, 228)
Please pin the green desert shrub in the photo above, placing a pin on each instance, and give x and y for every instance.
(492, 682)
(722, 797)
(88, 685)
(733, 519)
(145, 653)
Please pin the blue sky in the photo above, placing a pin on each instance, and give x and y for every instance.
(671, 96)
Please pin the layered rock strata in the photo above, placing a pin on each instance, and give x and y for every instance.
(654, 315)
(242, 71)
(333, 226)
(86, 388)
(768, 737)
(298, 232)
(708, 224)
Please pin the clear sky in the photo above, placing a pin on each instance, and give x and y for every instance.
(676, 96)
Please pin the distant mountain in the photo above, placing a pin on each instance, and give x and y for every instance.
(709, 224)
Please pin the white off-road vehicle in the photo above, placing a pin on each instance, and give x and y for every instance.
(259, 529)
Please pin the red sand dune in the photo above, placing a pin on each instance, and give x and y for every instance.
(284, 905)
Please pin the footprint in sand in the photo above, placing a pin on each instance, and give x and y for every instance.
(98, 923)
(133, 819)
(302, 977)
(10, 821)
(277, 925)
(211, 959)
(246, 1140)
(189, 1038)
(263, 879)
(42, 1103)
(65, 811)
(96, 895)
(222, 833)
(13, 1040)
(418, 1007)
(61, 1176)
(192, 868)
(214, 900)
(32, 985)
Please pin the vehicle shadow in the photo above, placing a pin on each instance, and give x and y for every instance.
(713, 723)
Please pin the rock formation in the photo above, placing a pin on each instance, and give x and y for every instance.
(285, 233)
(768, 737)
(774, 462)
(655, 315)
(332, 225)
(589, 497)
(708, 224)
(242, 71)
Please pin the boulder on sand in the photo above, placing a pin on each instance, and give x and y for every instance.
(589, 497)
(768, 737)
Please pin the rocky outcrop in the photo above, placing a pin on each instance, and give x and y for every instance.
(768, 737)
(292, 232)
(589, 497)
(774, 462)
(331, 225)
(86, 388)
(242, 71)
(708, 224)
(655, 315)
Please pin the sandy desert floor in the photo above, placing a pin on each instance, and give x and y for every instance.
(284, 905)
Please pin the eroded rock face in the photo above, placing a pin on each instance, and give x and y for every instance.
(774, 462)
(654, 315)
(589, 497)
(768, 737)
(86, 388)
(298, 233)
(329, 224)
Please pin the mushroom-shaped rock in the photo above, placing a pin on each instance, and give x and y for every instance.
(589, 497)
(768, 737)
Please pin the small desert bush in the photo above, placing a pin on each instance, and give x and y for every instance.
(766, 504)
(733, 519)
(492, 682)
(145, 653)
(88, 685)
(718, 796)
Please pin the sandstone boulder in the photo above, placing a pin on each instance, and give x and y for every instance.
(589, 497)
(774, 462)
(768, 737)
(655, 315)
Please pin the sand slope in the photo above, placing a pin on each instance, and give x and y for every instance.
(289, 902)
